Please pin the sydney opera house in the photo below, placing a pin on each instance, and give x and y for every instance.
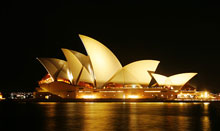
(100, 75)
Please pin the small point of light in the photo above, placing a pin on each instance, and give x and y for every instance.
(47, 97)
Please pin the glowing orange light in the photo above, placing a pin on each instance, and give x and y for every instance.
(206, 103)
(46, 79)
(206, 95)
(47, 97)
(88, 96)
(133, 96)
(63, 80)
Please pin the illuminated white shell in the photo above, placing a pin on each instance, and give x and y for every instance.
(74, 65)
(104, 63)
(174, 80)
(136, 72)
(78, 65)
(85, 61)
(55, 67)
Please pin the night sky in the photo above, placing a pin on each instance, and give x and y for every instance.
(183, 36)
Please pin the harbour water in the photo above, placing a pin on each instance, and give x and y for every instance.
(102, 116)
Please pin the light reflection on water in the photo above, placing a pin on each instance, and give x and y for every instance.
(126, 116)
(99, 116)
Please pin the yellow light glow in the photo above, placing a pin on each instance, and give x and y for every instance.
(206, 95)
(63, 80)
(151, 91)
(88, 96)
(133, 96)
(47, 97)
(70, 76)
(133, 86)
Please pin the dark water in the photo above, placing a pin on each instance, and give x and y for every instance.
(108, 116)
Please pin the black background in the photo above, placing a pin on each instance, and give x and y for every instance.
(183, 36)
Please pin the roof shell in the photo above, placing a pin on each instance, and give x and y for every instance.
(55, 67)
(104, 63)
(79, 66)
(85, 61)
(136, 72)
(174, 80)
(74, 65)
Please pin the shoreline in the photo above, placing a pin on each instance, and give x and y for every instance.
(106, 100)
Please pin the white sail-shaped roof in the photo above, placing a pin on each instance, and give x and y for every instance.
(74, 65)
(181, 79)
(85, 76)
(136, 72)
(124, 77)
(160, 79)
(104, 63)
(85, 61)
(55, 67)
(174, 80)
(79, 65)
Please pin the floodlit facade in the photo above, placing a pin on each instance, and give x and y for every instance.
(100, 75)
